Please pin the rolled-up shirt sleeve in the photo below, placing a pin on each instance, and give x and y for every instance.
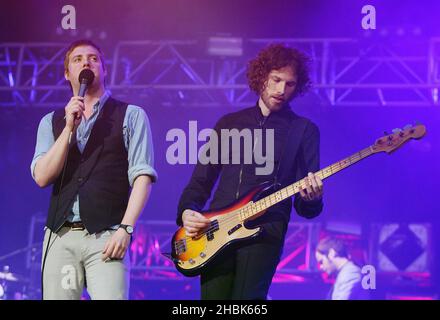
(45, 140)
(139, 144)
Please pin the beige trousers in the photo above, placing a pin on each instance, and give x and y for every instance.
(74, 261)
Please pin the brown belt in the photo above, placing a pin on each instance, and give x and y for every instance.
(74, 225)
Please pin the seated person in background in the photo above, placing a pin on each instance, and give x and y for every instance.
(333, 258)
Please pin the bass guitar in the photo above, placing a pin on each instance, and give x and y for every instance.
(192, 254)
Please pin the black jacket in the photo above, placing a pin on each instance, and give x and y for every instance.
(296, 152)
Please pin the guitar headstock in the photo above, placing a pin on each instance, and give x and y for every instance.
(391, 142)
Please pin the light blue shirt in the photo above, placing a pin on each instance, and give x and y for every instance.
(348, 284)
(137, 139)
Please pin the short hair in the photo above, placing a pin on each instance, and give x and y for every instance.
(274, 57)
(336, 244)
(79, 43)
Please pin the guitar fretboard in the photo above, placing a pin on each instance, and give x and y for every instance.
(290, 190)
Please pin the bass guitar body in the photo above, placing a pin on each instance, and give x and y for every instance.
(192, 254)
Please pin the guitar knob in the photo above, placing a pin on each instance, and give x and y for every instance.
(202, 254)
(191, 261)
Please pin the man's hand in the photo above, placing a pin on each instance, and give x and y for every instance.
(74, 112)
(314, 188)
(194, 222)
(116, 246)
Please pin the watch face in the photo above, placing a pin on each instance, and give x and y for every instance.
(129, 229)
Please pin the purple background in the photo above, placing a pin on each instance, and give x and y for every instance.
(397, 188)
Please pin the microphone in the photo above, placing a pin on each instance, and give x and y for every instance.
(85, 79)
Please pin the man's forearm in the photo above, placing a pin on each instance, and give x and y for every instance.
(138, 198)
(49, 166)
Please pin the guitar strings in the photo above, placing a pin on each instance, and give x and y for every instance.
(180, 245)
(337, 166)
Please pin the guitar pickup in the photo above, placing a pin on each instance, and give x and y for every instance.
(214, 225)
(213, 228)
(238, 226)
(180, 246)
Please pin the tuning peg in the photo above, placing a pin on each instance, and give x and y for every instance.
(397, 130)
(408, 126)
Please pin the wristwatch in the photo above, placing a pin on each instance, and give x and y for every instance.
(129, 229)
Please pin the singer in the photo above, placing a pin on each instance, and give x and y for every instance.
(92, 152)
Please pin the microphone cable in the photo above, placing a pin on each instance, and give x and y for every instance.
(85, 78)
(53, 220)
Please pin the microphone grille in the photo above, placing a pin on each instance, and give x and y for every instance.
(86, 76)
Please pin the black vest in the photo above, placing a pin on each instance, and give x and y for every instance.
(99, 175)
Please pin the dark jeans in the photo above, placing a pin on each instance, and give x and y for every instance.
(245, 271)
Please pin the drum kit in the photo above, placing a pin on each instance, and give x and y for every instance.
(9, 283)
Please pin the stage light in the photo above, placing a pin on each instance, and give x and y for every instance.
(383, 32)
(103, 35)
(367, 33)
(344, 227)
(400, 32)
(417, 31)
(225, 46)
(435, 95)
(404, 248)
(11, 79)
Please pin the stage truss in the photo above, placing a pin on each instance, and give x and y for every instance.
(152, 239)
(212, 72)
(297, 265)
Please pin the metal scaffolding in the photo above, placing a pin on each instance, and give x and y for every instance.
(153, 238)
(397, 250)
(345, 72)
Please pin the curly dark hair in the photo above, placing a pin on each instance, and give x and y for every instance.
(274, 57)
